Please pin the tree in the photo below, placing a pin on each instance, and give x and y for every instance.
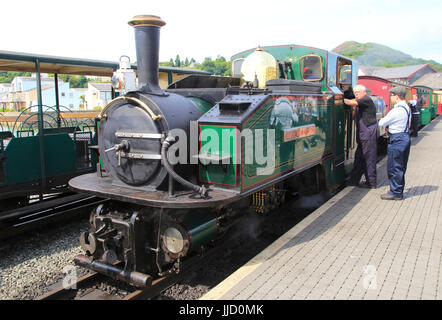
(177, 61)
(7, 77)
(74, 81)
(219, 67)
(83, 101)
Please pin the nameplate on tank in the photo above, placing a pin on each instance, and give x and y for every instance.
(299, 132)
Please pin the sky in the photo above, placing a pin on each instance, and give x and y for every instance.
(97, 29)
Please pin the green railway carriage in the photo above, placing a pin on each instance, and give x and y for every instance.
(65, 154)
(428, 110)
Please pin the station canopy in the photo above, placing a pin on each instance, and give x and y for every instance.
(25, 62)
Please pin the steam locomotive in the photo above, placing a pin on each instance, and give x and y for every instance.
(182, 164)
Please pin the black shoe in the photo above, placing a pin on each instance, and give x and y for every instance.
(389, 196)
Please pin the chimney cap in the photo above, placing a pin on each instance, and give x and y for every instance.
(146, 20)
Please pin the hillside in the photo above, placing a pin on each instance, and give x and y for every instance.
(377, 55)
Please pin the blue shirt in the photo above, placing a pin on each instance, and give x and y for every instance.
(397, 118)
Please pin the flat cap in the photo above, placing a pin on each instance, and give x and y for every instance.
(400, 91)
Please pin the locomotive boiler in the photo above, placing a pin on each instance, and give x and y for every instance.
(181, 164)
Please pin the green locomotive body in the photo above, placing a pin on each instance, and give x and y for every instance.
(310, 124)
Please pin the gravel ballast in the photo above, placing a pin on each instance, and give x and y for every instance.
(34, 263)
(30, 263)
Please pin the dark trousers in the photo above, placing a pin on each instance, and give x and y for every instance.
(398, 153)
(415, 121)
(366, 154)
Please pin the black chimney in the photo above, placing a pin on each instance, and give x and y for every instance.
(147, 42)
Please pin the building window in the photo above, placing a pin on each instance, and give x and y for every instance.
(105, 95)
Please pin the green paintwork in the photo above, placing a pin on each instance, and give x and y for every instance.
(225, 145)
(22, 162)
(202, 106)
(427, 112)
(286, 115)
(328, 139)
(201, 227)
(290, 154)
(425, 116)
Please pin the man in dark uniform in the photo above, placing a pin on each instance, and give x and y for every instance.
(415, 109)
(367, 133)
(398, 121)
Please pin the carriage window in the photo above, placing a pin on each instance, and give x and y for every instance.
(425, 99)
(236, 67)
(311, 68)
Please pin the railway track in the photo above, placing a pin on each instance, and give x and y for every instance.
(85, 287)
(19, 220)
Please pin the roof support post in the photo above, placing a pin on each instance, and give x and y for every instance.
(57, 100)
(169, 77)
(40, 130)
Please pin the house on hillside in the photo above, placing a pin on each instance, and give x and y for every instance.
(406, 75)
(5, 88)
(23, 94)
(98, 95)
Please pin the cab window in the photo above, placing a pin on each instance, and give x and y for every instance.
(345, 74)
(311, 68)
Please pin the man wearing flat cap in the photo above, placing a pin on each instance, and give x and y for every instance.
(398, 121)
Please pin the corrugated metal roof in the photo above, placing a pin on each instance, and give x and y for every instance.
(432, 80)
(368, 70)
(398, 72)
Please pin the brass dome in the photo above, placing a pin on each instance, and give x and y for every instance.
(261, 66)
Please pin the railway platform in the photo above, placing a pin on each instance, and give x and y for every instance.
(357, 246)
